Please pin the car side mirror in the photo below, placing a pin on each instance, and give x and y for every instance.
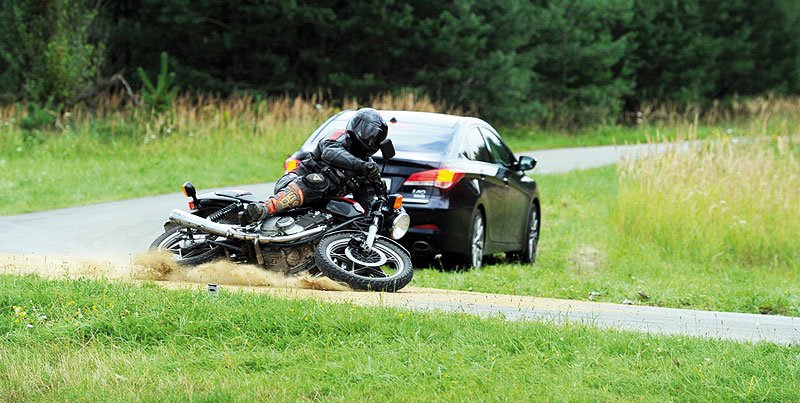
(387, 149)
(526, 163)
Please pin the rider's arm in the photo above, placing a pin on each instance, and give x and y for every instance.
(335, 153)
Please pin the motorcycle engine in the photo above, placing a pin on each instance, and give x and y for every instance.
(293, 259)
(288, 225)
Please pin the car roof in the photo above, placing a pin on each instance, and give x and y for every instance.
(447, 123)
(427, 118)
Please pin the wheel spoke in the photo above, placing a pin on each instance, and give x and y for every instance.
(381, 261)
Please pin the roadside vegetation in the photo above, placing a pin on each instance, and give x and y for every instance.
(724, 239)
(96, 340)
(50, 159)
(728, 201)
(713, 229)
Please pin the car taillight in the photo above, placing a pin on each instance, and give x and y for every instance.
(440, 178)
(290, 165)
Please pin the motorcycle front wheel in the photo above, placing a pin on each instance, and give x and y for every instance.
(385, 267)
(190, 251)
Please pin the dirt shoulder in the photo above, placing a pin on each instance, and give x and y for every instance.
(230, 277)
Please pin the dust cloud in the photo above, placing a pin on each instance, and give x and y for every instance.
(161, 266)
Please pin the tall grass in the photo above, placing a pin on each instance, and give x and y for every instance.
(725, 200)
(114, 151)
(740, 117)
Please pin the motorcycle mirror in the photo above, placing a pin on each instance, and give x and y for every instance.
(387, 149)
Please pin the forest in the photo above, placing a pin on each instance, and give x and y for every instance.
(561, 63)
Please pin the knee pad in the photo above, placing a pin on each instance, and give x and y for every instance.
(289, 197)
(316, 181)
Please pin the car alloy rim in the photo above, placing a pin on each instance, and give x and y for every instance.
(477, 241)
(533, 232)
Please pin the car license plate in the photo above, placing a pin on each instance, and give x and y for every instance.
(388, 183)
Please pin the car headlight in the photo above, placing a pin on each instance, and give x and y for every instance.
(400, 225)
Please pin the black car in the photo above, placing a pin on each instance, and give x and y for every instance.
(466, 192)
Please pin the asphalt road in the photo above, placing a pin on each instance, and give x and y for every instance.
(126, 228)
(120, 230)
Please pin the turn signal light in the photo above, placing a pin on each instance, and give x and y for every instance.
(290, 165)
(398, 202)
(440, 178)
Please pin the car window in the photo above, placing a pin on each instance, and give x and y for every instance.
(474, 147)
(408, 136)
(500, 152)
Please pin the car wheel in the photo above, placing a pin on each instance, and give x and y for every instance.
(473, 255)
(477, 240)
(532, 246)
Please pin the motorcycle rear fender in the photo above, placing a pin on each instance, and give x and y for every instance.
(228, 196)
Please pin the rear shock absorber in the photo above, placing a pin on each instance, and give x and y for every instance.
(221, 213)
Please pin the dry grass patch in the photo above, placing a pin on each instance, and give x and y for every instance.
(724, 200)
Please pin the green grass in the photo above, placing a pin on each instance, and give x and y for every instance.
(582, 250)
(117, 152)
(80, 167)
(93, 340)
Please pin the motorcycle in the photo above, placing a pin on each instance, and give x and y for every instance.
(337, 238)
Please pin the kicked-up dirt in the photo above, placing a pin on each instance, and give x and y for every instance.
(159, 267)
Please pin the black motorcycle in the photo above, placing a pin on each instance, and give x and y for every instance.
(337, 238)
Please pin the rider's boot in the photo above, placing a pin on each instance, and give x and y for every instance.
(289, 197)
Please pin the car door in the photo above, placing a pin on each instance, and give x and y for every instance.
(481, 168)
(515, 197)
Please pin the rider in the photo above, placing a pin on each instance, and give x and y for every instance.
(327, 170)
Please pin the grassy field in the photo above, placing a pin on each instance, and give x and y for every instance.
(587, 248)
(94, 340)
(597, 237)
(116, 152)
(728, 201)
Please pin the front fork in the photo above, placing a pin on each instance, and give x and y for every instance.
(372, 234)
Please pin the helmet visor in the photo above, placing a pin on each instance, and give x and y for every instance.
(371, 134)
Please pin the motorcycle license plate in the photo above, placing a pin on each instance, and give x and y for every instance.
(388, 183)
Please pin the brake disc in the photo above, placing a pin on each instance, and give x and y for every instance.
(373, 258)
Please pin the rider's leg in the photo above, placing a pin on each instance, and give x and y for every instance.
(301, 190)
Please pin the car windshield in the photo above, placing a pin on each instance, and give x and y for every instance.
(406, 136)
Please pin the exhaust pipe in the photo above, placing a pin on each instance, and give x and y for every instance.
(187, 220)
(422, 246)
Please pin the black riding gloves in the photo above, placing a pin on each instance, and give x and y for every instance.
(371, 171)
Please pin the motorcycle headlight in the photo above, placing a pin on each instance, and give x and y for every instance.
(400, 225)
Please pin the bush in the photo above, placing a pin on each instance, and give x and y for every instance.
(40, 117)
(46, 47)
(158, 97)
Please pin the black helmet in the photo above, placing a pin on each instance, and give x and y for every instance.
(368, 129)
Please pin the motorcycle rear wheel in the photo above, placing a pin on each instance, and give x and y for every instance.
(170, 241)
(386, 267)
